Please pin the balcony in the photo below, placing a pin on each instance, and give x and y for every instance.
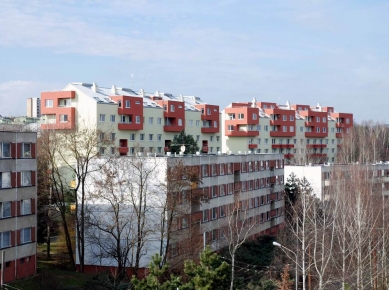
(277, 122)
(282, 146)
(242, 133)
(209, 130)
(123, 150)
(282, 134)
(172, 128)
(130, 126)
(288, 156)
(338, 135)
(318, 155)
(166, 149)
(205, 149)
(342, 125)
(253, 146)
(316, 145)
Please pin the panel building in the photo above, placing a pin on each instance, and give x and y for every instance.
(33, 107)
(18, 217)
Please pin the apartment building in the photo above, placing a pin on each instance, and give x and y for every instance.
(33, 107)
(248, 185)
(320, 176)
(18, 218)
(302, 133)
(139, 121)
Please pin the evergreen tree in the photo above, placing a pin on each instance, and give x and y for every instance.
(184, 139)
(210, 274)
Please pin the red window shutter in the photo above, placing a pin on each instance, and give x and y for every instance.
(19, 237)
(33, 178)
(18, 179)
(33, 150)
(13, 234)
(18, 211)
(19, 150)
(33, 200)
(33, 234)
(13, 179)
(13, 208)
(13, 150)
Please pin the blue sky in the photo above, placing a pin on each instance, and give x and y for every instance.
(331, 52)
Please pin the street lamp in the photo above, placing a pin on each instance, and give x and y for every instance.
(295, 255)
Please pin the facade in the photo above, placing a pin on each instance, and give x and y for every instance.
(34, 107)
(320, 176)
(250, 185)
(18, 218)
(139, 121)
(302, 133)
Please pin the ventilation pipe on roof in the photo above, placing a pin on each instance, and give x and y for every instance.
(94, 87)
(319, 106)
(254, 103)
(181, 97)
(113, 90)
(142, 93)
(156, 93)
(288, 105)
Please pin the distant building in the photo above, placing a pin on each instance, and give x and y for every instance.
(320, 176)
(18, 219)
(252, 182)
(34, 107)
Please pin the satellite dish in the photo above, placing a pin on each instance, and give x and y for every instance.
(182, 148)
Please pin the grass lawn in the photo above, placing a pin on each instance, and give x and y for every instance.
(51, 276)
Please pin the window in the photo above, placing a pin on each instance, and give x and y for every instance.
(172, 108)
(132, 137)
(240, 116)
(324, 129)
(5, 179)
(127, 104)
(179, 122)
(184, 224)
(5, 150)
(254, 116)
(26, 150)
(266, 128)
(25, 235)
(318, 119)
(113, 150)
(347, 121)
(5, 209)
(211, 138)
(142, 137)
(284, 118)
(197, 123)
(5, 239)
(25, 206)
(205, 215)
(197, 138)
(291, 129)
(151, 137)
(204, 170)
(113, 118)
(284, 129)
(213, 191)
(159, 121)
(159, 137)
(221, 211)
(221, 169)
(26, 178)
(208, 111)
(63, 118)
(113, 136)
(291, 118)
(214, 213)
(190, 123)
(49, 103)
(102, 136)
(230, 127)
(102, 117)
(215, 124)
(151, 120)
(137, 119)
(324, 119)
(221, 190)
(102, 150)
(318, 129)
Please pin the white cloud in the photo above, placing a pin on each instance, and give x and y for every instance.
(14, 95)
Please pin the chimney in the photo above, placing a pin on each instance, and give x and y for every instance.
(94, 87)
(113, 90)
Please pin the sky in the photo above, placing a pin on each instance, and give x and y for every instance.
(335, 53)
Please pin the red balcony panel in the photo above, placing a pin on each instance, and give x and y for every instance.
(288, 156)
(205, 149)
(272, 179)
(282, 146)
(253, 146)
(342, 125)
(316, 145)
(123, 150)
(242, 133)
(209, 130)
(282, 134)
(316, 135)
(273, 196)
(278, 122)
(130, 126)
(173, 128)
(338, 135)
(166, 149)
(320, 155)
(273, 213)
